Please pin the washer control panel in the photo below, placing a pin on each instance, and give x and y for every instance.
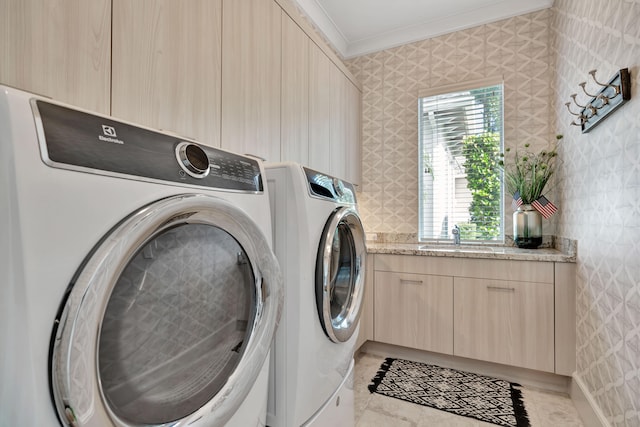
(327, 187)
(76, 140)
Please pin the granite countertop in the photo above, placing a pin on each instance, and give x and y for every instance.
(565, 254)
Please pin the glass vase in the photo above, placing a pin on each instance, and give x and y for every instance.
(527, 227)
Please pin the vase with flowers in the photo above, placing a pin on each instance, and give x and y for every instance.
(526, 176)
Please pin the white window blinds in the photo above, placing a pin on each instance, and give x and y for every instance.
(460, 178)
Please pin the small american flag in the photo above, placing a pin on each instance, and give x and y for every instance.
(544, 206)
(517, 200)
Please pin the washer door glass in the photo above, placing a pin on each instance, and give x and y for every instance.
(170, 319)
(176, 324)
(340, 274)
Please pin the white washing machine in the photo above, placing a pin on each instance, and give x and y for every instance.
(138, 285)
(320, 243)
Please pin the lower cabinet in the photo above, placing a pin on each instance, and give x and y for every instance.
(501, 311)
(365, 332)
(504, 322)
(414, 310)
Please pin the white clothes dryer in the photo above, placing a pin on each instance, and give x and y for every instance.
(320, 244)
(138, 285)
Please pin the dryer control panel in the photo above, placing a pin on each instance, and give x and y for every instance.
(77, 140)
(327, 187)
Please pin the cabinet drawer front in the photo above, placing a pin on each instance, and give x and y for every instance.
(499, 269)
(414, 310)
(504, 322)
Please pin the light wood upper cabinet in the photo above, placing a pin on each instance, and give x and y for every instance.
(334, 108)
(295, 93)
(354, 134)
(319, 110)
(166, 65)
(251, 74)
(334, 119)
(345, 151)
(339, 118)
(58, 49)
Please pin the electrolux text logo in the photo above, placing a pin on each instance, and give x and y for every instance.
(109, 135)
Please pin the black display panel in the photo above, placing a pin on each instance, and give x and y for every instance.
(75, 138)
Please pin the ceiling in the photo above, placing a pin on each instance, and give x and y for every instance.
(358, 27)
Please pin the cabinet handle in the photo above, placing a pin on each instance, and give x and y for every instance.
(408, 281)
(501, 288)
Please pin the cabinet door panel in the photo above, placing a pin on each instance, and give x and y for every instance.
(334, 119)
(504, 322)
(565, 318)
(339, 122)
(319, 110)
(499, 269)
(251, 66)
(354, 144)
(295, 92)
(58, 49)
(166, 65)
(414, 310)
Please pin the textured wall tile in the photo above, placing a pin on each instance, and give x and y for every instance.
(515, 49)
(601, 171)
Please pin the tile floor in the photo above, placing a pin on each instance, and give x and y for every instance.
(545, 409)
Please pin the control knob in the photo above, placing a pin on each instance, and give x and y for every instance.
(193, 159)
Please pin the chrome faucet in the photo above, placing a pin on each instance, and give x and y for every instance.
(456, 235)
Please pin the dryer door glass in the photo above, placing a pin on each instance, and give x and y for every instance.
(340, 274)
(176, 324)
(170, 319)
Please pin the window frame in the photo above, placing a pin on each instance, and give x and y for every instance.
(450, 89)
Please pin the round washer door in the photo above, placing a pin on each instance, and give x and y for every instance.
(169, 320)
(340, 274)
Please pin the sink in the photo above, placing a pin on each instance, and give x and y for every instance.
(451, 248)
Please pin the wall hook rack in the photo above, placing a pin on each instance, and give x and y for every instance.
(608, 99)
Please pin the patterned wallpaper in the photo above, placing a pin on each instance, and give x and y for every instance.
(516, 50)
(542, 57)
(599, 189)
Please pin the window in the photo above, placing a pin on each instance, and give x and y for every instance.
(460, 178)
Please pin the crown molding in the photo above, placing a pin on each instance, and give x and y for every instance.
(469, 18)
(323, 22)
